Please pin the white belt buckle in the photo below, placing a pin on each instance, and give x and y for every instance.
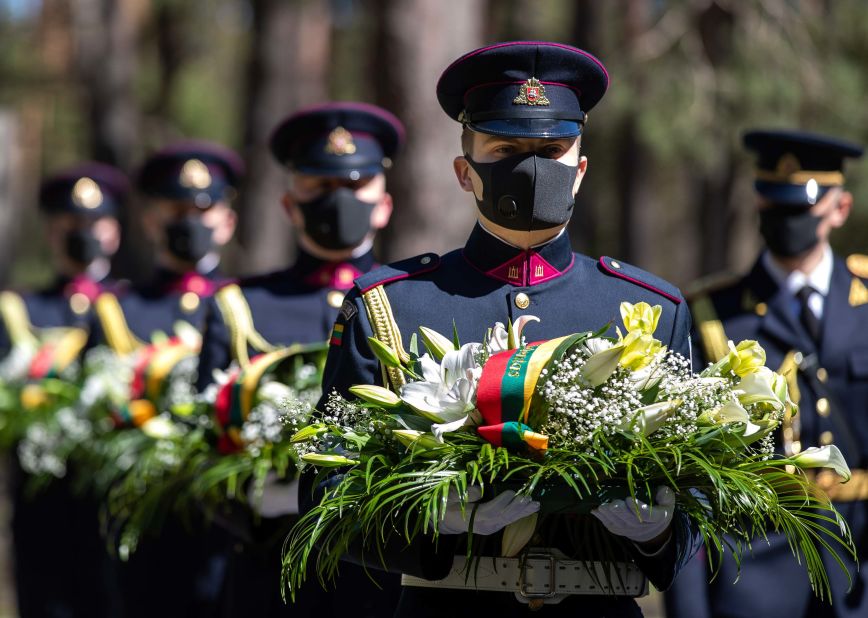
(523, 583)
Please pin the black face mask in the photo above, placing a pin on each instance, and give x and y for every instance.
(526, 191)
(337, 220)
(189, 239)
(789, 231)
(83, 247)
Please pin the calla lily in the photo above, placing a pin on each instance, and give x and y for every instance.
(759, 387)
(437, 344)
(376, 395)
(648, 419)
(829, 456)
(734, 412)
(601, 365)
(641, 317)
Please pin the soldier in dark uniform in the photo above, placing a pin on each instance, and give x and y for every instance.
(57, 548)
(807, 308)
(336, 154)
(188, 186)
(523, 107)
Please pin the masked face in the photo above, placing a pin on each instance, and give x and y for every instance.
(189, 239)
(337, 219)
(789, 231)
(526, 192)
(82, 246)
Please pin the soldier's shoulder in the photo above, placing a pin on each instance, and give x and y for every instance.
(398, 271)
(634, 275)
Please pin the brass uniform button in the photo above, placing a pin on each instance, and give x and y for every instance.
(826, 438)
(522, 300)
(823, 406)
(190, 302)
(822, 375)
(615, 264)
(335, 298)
(425, 260)
(761, 309)
(797, 447)
(79, 303)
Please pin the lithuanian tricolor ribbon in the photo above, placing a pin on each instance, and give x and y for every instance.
(506, 392)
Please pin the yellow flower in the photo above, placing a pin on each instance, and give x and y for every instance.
(746, 358)
(33, 396)
(640, 348)
(640, 317)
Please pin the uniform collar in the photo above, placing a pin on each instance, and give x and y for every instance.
(200, 284)
(319, 273)
(820, 278)
(80, 284)
(499, 260)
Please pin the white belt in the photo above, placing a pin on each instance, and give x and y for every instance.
(541, 574)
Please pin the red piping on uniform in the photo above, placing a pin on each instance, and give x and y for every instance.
(435, 262)
(545, 43)
(363, 107)
(642, 284)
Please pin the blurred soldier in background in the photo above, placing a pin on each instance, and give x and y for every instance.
(336, 197)
(808, 308)
(58, 551)
(188, 186)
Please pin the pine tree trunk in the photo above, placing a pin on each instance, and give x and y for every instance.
(418, 39)
(287, 69)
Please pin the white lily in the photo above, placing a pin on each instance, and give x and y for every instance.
(499, 340)
(447, 393)
(436, 343)
(829, 456)
(160, 428)
(734, 412)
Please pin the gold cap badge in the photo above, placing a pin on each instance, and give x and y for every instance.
(195, 175)
(532, 92)
(86, 193)
(340, 142)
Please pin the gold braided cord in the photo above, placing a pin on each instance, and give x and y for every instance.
(791, 426)
(711, 331)
(239, 320)
(386, 330)
(16, 319)
(114, 324)
(826, 179)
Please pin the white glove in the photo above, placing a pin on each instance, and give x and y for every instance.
(489, 517)
(278, 497)
(636, 520)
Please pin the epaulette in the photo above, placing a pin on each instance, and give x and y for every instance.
(398, 270)
(858, 265)
(641, 278)
(710, 284)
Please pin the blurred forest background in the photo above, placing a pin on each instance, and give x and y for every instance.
(669, 186)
